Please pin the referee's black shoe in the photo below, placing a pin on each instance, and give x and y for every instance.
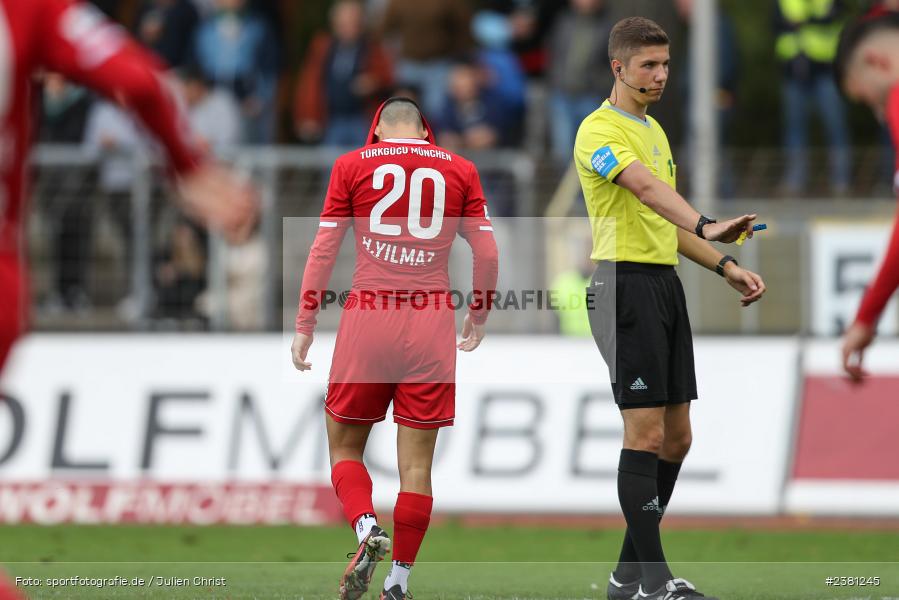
(622, 591)
(675, 589)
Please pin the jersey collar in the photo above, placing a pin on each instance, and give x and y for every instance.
(405, 141)
(624, 113)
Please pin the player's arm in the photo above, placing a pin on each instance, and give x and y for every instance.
(860, 335)
(749, 284)
(478, 232)
(334, 221)
(485, 269)
(82, 45)
(862, 331)
(665, 201)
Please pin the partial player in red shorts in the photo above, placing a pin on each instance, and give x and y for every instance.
(406, 200)
(74, 39)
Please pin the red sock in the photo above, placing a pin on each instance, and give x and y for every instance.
(411, 516)
(353, 486)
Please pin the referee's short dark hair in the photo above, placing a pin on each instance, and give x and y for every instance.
(632, 34)
(852, 37)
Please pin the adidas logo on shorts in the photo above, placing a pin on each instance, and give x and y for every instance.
(639, 385)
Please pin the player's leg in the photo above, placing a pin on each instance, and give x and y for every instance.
(634, 333)
(642, 556)
(412, 513)
(675, 445)
(358, 396)
(677, 436)
(353, 486)
(352, 483)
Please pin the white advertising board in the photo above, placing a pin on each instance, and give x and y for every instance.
(844, 259)
(536, 428)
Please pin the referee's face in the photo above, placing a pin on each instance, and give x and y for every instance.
(648, 68)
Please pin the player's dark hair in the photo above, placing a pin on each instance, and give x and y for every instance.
(632, 34)
(851, 38)
(401, 110)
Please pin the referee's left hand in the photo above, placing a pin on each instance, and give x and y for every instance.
(746, 282)
(729, 231)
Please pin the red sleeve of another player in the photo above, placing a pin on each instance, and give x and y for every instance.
(478, 232)
(887, 279)
(336, 217)
(885, 283)
(82, 45)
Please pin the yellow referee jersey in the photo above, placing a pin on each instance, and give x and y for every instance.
(624, 229)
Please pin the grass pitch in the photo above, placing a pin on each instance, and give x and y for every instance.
(455, 562)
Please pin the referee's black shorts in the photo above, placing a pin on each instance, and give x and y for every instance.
(638, 316)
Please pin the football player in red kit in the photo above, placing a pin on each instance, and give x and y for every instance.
(867, 70)
(73, 38)
(406, 200)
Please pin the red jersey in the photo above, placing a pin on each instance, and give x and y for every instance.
(406, 200)
(75, 40)
(887, 279)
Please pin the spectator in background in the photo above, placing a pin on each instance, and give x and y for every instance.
(808, 33)
(112, 135)
(728, 67)
(529, 23)
(345, 76)
(64, 111)
(504, 79)
(578, 75)
(167, 27)
(180, 275)
(238, 50)
(214, 113)
(63, 117)
(428, 34)
(472, 119)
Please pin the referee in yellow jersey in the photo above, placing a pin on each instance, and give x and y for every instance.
(638, 311)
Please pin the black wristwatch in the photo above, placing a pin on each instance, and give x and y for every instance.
(703, 221)
(719, 268)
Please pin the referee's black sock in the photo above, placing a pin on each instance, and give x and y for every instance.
(628, 568)
(638, 494)
(666, 478)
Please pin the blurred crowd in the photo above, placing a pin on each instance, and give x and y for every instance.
(487, 73)
(481, 69)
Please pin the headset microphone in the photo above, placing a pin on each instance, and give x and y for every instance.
(642, 90)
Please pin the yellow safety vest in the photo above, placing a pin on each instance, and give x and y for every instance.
(817, 41)
(571, 302)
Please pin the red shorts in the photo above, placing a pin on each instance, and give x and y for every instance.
(398, 354)
(11, 304)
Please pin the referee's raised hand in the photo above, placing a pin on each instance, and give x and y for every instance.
(727, 232)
